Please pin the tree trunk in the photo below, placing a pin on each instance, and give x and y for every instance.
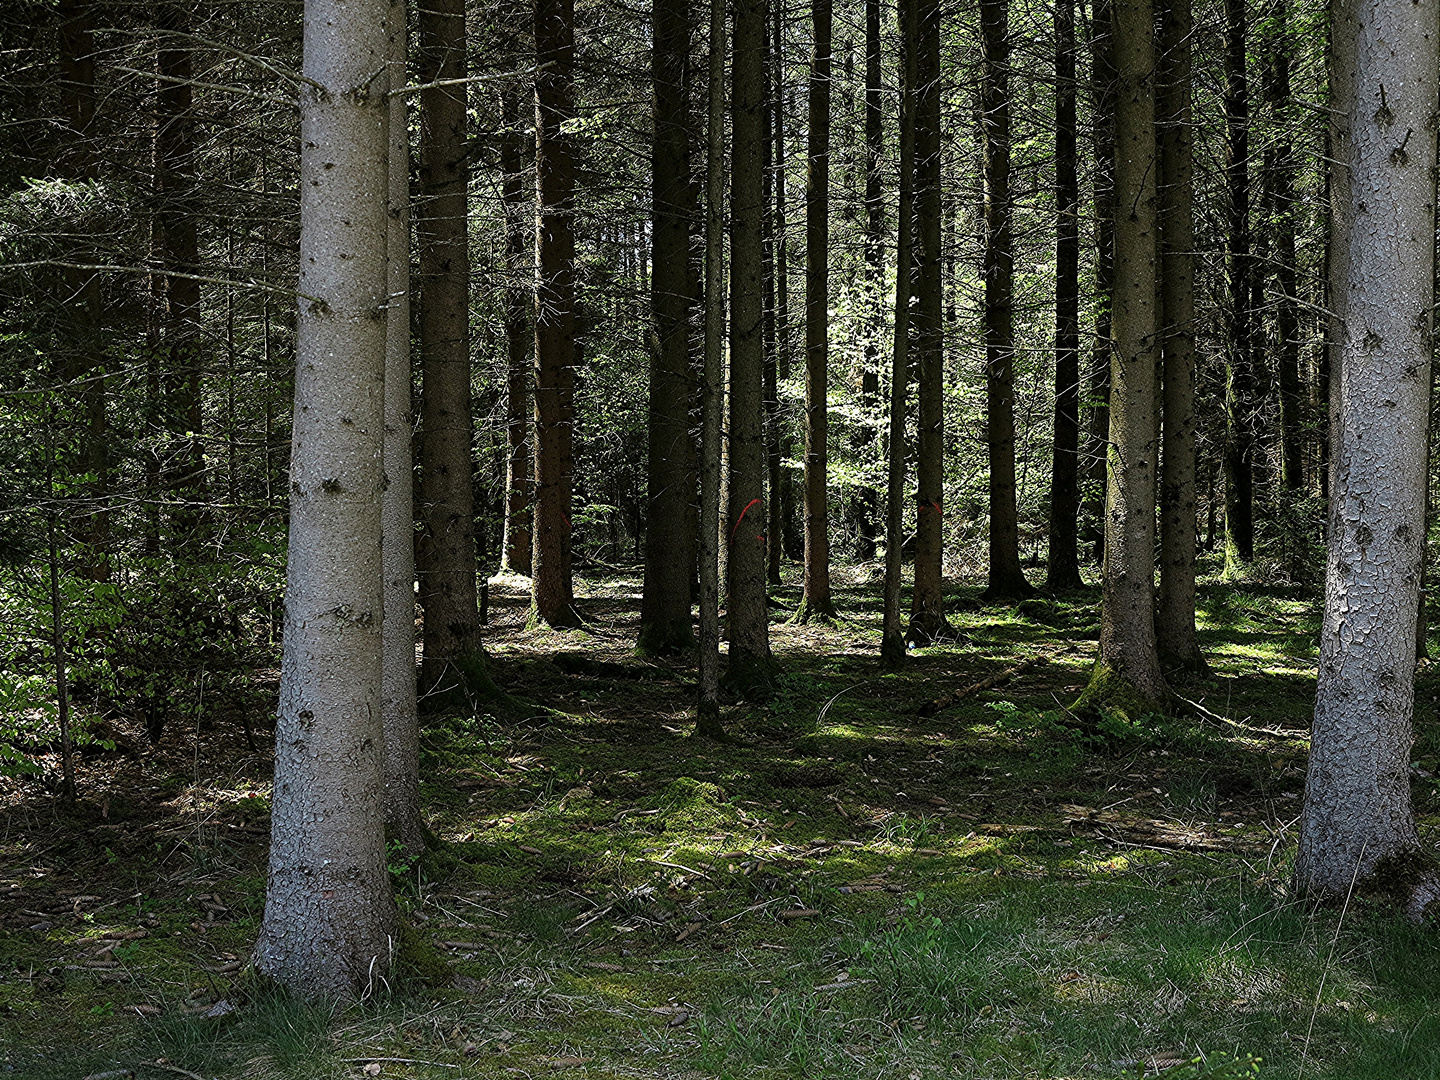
(665, 605)
(77, 74)
(1063, 564)
(927, 611)
(774, 61)
(1102, 89)
(1175, 607)
(329, 915)
(1239, 345)
(751, 669)
(1127, 675)
(1006, 581)
(519, 213)
(784, 533)
(866, 432)
(555, 322)
(1358, 826)
(446, 551)
(892, 636)
(1280, 207)
(175, 182)
(816, 602)
(707, 716)
(398, 707)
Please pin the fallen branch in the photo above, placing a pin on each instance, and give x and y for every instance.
(930, 708)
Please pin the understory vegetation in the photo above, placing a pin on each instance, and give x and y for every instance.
(882, 876)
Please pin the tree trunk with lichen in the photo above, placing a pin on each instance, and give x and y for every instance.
(1127, 674)
(329, 914)
(1358, 828)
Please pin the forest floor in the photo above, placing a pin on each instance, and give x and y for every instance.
(859, 886)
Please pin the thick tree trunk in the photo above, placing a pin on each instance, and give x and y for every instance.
(445, 554)
(1358, 826)
(892, 636)
(751, 669)
(519, 214)
(816, 602)
(1102, 90)
(553, 597)
(1063, 564)
(397, 703)
(175, 180)
(868, 501)
(1006, 581)
(665, 604)
(1239, 345)
(707, 716)
(1175, 606)
(927, 612)
(1127, 674)
(329, 916)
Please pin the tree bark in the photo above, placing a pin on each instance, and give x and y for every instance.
(397, 704)
(774, 467)
(1127, 675)
(329, 915)
(1239, 345)
(1102, 90)
(866, 433)
(751, 669)
(707, 716)
(519, 212)
(175, 182)
(553, 596)
(1063, 564)
(445, 554)
(1280, 207)
(1006, 581)
(1175, 607)
(665, 604)
(816, 602)
(927, 612)
(892, 636)
(1358, 826)
(86, 353)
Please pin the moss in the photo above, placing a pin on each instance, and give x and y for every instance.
(1408, 880)
(417, 959)
(463, 684)
(1110, 691)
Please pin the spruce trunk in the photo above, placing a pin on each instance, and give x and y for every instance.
(329, 921)
(1358, 827)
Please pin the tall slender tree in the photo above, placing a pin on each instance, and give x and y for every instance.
(398, 698)
(553, 595)
(707, 717)
(865, 434)
(1127, 674)
(751, 670)
(816, 602)
(1175, 605)
(445, 555)
(1358, 825)
(1239, 342)
(892, 635)
(519, 217)
(927, 612)
(1006, 581)
(665, 605)
(1102, 97)
(329, 919)
(1063, 564)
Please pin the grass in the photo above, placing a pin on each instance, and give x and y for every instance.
(850, 891)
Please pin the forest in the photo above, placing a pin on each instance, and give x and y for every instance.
(746, 539)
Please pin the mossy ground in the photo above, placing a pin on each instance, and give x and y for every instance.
(847, 891)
